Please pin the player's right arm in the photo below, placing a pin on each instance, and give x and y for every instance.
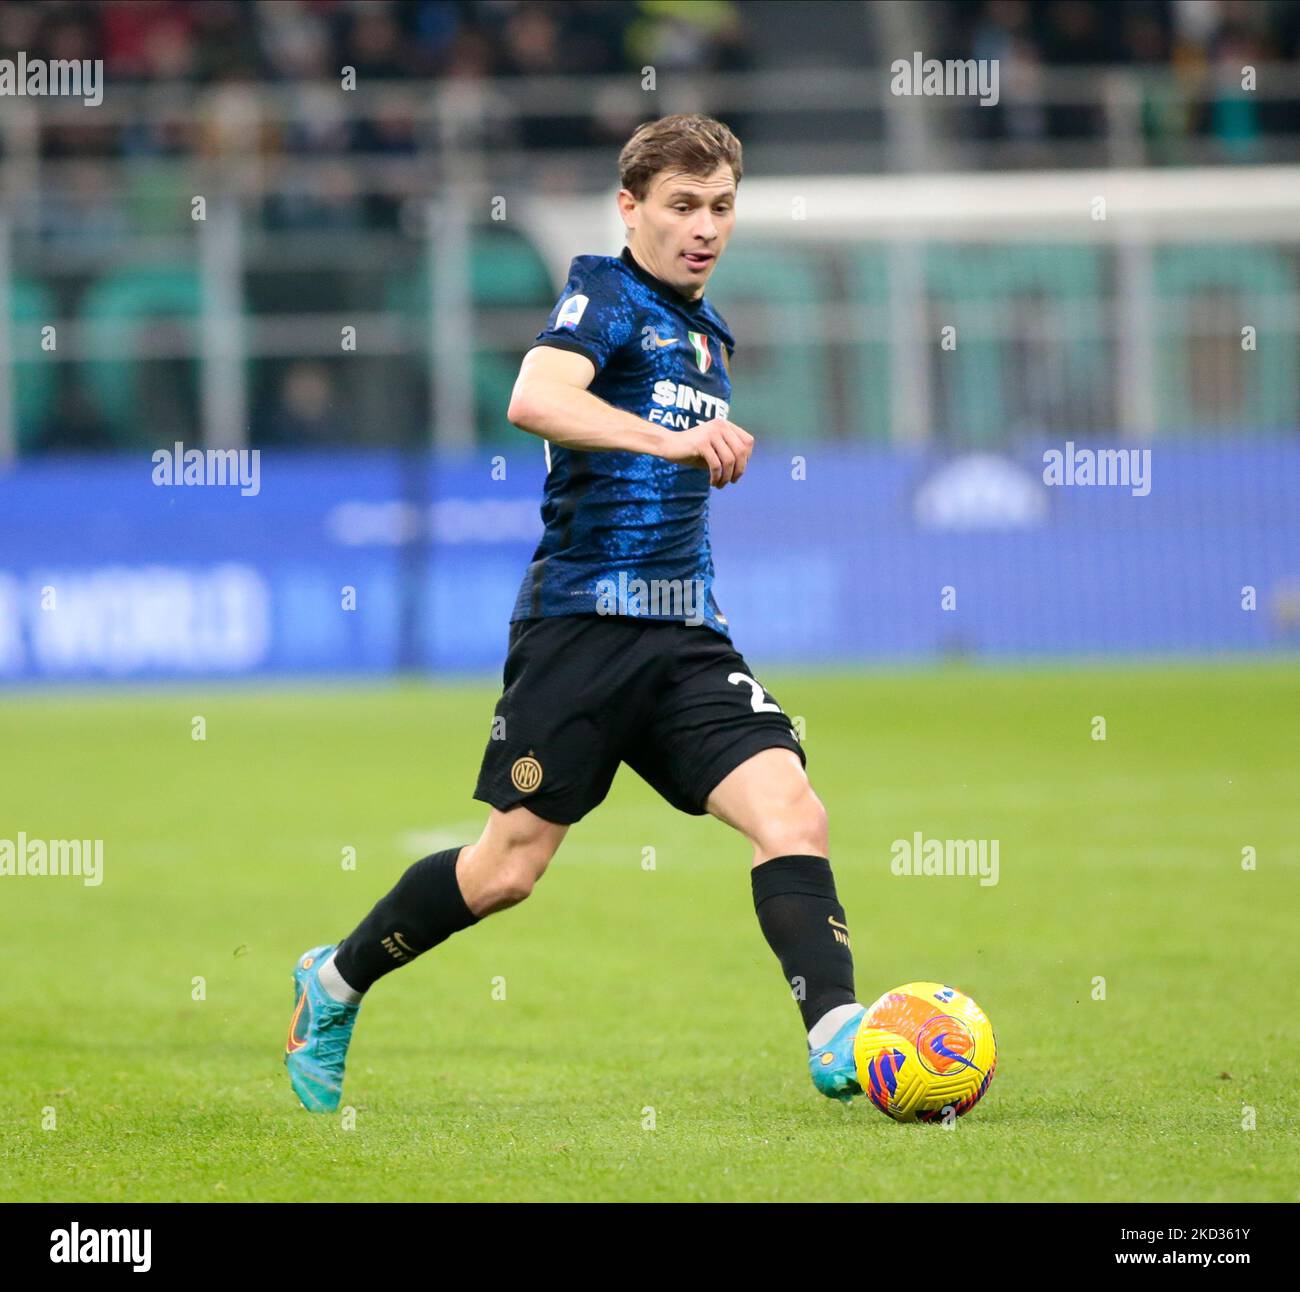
(550, 399)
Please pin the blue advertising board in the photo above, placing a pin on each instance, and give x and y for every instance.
(369, 563)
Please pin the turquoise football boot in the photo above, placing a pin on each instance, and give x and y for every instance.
(319, 1033)
(834, 1071)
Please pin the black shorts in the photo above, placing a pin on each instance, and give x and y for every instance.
(675, 702)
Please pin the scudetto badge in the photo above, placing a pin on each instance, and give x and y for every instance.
(526, 774)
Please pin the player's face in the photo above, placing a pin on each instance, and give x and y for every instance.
(678, 231)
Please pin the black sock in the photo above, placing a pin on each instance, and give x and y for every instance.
(425, 908)
(804, 924)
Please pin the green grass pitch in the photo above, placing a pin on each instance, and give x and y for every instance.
(628, 989)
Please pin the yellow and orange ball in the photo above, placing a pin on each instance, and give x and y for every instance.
(925, 1052)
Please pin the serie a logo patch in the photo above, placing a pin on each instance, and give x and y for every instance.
(571, 311)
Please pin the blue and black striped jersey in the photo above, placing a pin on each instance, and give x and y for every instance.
(628, 533)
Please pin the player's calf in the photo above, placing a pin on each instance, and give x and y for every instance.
(806, 927)
(769, 799)
(425, 907)
(436, 897)
(445, 893)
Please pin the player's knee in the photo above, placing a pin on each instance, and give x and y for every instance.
(518, 868)
(513, 884)
(503, 867)
(818, 825)
(795, 825)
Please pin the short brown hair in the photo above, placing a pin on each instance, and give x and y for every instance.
(693, 144)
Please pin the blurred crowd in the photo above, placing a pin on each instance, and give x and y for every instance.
(1184, 34)
(218, 48)
(1206, 44)
(324, 165)
(201, 41)
(222, 46)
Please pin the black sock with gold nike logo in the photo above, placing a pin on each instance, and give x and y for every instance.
(425, 907)
(804, 924)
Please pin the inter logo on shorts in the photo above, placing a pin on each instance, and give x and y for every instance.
(700, 343)
(526, 774)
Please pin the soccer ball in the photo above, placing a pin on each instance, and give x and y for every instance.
(925, 1052)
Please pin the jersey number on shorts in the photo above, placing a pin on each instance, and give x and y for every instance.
(760, 704)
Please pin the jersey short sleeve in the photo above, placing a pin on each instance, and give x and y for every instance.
(594, 315)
